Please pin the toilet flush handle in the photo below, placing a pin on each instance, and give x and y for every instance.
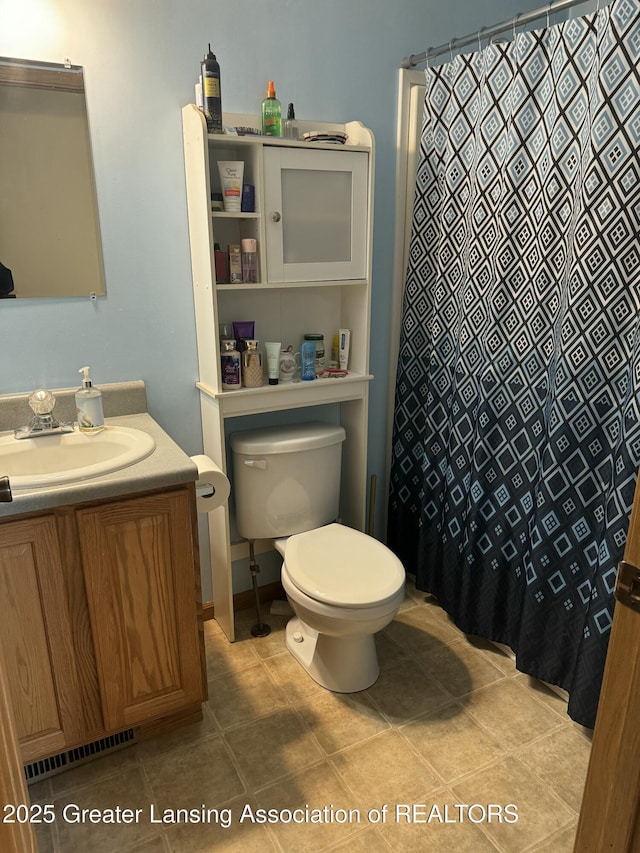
(256, 463)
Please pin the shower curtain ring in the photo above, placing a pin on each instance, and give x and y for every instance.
(549, 11)
(451, 50)
(515, 24)
(480, 31)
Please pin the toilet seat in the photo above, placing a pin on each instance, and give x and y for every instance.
(339, 566)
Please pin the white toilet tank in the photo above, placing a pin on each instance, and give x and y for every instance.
(286, 479)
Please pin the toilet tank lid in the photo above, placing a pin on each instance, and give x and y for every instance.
(287, 439)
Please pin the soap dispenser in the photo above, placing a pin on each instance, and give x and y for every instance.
(89, 405)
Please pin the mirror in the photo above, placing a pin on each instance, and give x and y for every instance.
(49, 230)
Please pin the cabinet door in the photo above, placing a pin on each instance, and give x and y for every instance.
(316, 214)
(139, 568)
(36, 638)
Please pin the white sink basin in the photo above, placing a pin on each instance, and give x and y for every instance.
(51, 460)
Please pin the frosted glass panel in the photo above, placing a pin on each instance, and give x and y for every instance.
(320, 231)
(316, 214)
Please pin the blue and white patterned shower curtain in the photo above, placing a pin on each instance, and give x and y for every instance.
(517, 421)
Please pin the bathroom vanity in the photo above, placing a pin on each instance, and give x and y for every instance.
(101, 627)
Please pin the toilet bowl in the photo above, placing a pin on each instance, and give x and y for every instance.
(343, 586)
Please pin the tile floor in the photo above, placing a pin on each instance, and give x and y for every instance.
(449, 723)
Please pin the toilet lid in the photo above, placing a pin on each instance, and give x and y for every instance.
(341, 566)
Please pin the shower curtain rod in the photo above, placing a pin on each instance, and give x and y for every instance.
(488, 32)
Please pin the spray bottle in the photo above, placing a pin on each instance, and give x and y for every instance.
(271, 113)
(211, 94)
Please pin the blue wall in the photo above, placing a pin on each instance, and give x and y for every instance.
(337, 60)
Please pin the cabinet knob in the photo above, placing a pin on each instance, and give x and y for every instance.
(275, 216)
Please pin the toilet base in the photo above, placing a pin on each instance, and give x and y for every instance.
(341, 664)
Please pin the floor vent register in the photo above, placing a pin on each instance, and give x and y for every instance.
(46, 767)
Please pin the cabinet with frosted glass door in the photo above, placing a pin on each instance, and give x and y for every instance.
(316, 214)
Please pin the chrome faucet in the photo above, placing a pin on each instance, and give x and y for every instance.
(42, 403)
(5, 490)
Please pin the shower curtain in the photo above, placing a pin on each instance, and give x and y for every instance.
(516, 427)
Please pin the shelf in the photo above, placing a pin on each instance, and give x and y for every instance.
(290, 285)
(226, 140)
(224, 214)
(272, 398)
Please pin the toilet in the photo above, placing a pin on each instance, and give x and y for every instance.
(342, 585)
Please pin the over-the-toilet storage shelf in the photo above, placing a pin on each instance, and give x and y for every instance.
(303, 286)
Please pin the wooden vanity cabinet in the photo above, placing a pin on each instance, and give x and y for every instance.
(138, 561)
(36, 638)
(102, 622)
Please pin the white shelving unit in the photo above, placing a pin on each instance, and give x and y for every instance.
(313, 222)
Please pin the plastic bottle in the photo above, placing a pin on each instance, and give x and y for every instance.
(235, 264)
(271, 113)
(230, 363)
(89, 405)
(211, 93)
(318, 339)
(308, 358)
(252, 365)
(335, 352)
(221, 260)
(249, 260)
(290, 124)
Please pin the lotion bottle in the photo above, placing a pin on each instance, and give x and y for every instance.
(230, 363)
(251, 365)
(89, 405)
